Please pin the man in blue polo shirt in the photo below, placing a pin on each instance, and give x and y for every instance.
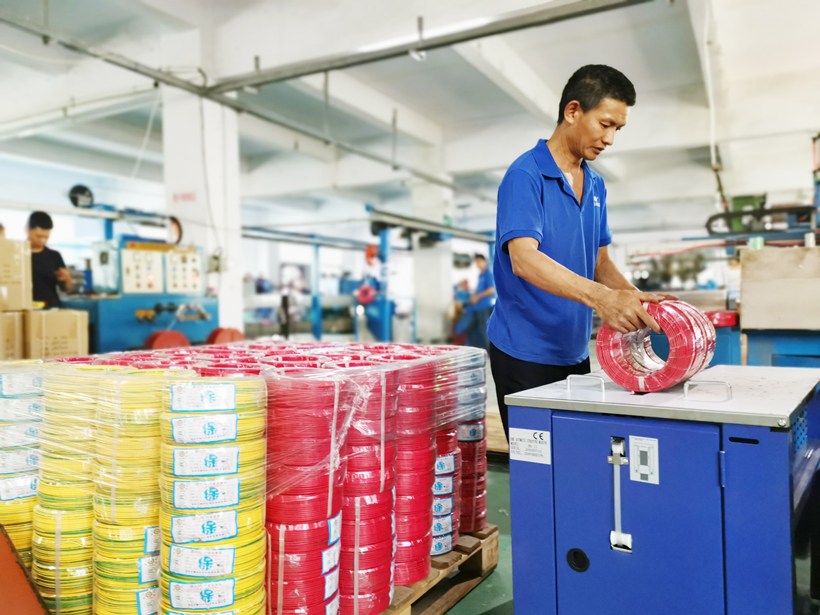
(552, 265)
(481, 305)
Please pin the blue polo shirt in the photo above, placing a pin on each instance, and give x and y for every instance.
(535, 200)
(485, 281)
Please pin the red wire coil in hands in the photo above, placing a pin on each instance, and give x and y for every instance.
(631, 363)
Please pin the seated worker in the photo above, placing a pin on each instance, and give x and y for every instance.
(47, 266)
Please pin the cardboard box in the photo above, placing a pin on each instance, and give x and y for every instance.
(780, 288)
(12, 347)
(51, 334)
(15, 276)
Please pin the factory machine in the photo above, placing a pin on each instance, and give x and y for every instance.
(695, 500)
(144, 289)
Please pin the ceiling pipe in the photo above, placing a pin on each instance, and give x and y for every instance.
(554, 12)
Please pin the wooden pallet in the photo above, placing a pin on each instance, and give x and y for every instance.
(473, 559)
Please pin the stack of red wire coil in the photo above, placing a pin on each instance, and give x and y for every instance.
(368, 521)
(414, 467)
(308, 411)
(631, 363)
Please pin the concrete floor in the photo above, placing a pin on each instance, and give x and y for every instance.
(494, 595)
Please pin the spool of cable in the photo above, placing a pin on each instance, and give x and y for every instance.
(211, 460)
(369, 556)
(365, 458)
(187, 595)
(443, 544)
(299, 593)
(417, 548)
(408, 573)
(212, 427)
(305, 537)
(201, 560)
(210, 526)
(289, 509)
(367, 531)
(447, 441)
(414, 503)
(416, 481)
(414, 526)
(307, 565)
(369, 579)
(305, 480)
(631, 363)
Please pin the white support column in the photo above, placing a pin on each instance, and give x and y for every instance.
(432, 266)
(201, 167)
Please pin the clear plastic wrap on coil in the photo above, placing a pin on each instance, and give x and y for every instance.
(631, 363)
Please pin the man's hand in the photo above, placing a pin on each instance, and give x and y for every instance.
(473, 299)
(622, 309)
(64, 276)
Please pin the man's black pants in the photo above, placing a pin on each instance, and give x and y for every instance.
(513, 375)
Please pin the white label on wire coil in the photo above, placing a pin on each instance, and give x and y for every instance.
(443, 485)
(333, 607)
(190, 562)
(443, 506)
(26, 383)
(24, 460)
(217, 493)
(530, 445)
(471, 396)
(207, 429)
(21, 409)
(442, 544)
(201, 397)
(148, 601)
(152, 540)
(330, 557)
(148, 568)
(210, 461)
(476, 413)
(446, 464)
(19, 434)
(331, 583)
(442, 525)
(472, 377)
(205, 528)
(18, 487)
(202, 596)
(334, 529)
(471, 432)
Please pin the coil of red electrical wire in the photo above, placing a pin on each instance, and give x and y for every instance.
(295, 480)
(408, 573)
(474, 455)
(631, 363)
(371, 457)
(414, 503)
(306, 565)
(304, 592)
(370, 531)
(329, 607)
(368, 482)
(446, 441)
(473, 522)
(447, 464)
(367, 432)
(366, 604)
(370, 506)
(414, 526)
(416, 548)
(417, 460)
(415, 482)
(417, 441)
(370, 556)
(473, 484)
(370, 579)
(304, 537)
(472, 504)
(293, 509)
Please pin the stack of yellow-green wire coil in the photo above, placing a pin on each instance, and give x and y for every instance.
(63, 519)
(126, 497)
(21, 409)
(212, 485)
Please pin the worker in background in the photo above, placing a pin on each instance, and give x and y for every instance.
(2, 232)
(552, 266)
(481, 305)
(47, 266)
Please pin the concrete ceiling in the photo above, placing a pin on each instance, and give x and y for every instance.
(466, 112)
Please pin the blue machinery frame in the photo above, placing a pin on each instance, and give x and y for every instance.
(718, 528)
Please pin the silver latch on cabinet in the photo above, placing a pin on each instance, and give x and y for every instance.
(618, 541)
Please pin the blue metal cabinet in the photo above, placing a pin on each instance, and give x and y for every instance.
(676, 563)
(710, 517)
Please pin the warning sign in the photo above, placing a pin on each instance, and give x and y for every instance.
(530, 445)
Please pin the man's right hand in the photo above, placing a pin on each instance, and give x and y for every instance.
(623, 310)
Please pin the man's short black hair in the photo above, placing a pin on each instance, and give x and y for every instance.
(590, 84)
(40, 219)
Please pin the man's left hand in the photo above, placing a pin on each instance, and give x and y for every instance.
(473, 299)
